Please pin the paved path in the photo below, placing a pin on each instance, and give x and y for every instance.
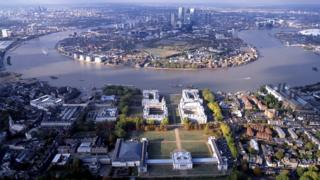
(178, 140)
(194, 160)
(186, 141)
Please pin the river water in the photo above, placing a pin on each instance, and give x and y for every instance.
(277, 64)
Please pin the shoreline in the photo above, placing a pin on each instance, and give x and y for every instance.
(63, 53)
(16, 44)
(137, 66)
(306, 47)
(12, 77)
(240, 78)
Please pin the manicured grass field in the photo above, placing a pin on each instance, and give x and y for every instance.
(155, 135)
(197, 149)
(163, 143)
(194, 135)
(198, 172)
(161, 150)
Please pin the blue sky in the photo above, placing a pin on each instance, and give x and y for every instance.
(162, 1)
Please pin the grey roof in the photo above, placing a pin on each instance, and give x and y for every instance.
(127, 151)
(5, 44)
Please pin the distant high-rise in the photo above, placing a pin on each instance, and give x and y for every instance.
(181, 13)
(192, 11)
(173, 20)
(185, 16)
(5, 33)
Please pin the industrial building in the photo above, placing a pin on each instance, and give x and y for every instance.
(64, 117)
(46, 102)
(106, 114)
(102, 113)
(89, 58)
(288, 97)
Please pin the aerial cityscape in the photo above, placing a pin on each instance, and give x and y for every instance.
(147, 89)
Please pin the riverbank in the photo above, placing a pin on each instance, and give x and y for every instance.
(308, 47)
(276, 64)
(228, 63)
(7, 77)
(19, 41)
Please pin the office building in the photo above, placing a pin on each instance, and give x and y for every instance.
(181, 13)
(173, 20)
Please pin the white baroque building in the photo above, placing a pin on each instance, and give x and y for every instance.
(182, 160)
(153, 108)
(191, 106)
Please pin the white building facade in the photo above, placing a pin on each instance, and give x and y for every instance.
(153, 108)
(191, 106)
(182, 160)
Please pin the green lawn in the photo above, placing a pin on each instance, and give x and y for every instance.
(173, 102)
(198, 172)
(155, 135)
(162, 144)
(194, 135)
(197, 149)
(161, 150)
(175, 98)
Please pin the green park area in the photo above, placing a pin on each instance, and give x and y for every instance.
(163, 143)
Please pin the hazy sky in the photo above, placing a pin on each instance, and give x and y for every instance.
(162, 1)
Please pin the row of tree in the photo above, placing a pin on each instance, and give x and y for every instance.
(125, 95)
(126, 124)
(226, 131)
(189, 125)
(212, 104)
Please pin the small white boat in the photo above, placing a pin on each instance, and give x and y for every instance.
(44, 52)
(246, 78)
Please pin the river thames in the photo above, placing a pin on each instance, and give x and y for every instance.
(277, 64)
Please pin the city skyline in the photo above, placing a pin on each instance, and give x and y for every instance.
(143, 89)
(233, 2)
